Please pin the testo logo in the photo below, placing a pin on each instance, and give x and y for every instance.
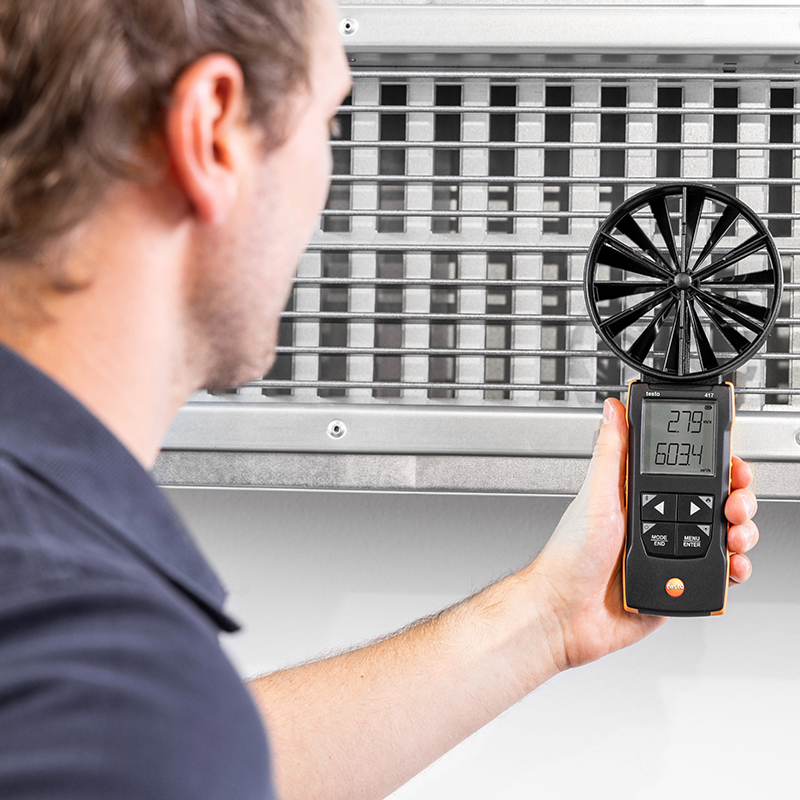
(675, 587)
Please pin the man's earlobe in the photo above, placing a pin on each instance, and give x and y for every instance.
(203, 135)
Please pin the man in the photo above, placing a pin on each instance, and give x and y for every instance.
(162, 164)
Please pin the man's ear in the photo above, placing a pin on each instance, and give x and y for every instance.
(204, 134)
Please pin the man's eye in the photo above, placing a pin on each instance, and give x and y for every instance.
(335, 128)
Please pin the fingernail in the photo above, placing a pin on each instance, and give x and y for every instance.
(750, 505)
(608, 412)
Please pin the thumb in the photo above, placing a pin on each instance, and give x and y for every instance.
(605, 480)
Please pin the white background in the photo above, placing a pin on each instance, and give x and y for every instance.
(705, 708)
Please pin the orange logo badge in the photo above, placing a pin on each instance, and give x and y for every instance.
(675, 587)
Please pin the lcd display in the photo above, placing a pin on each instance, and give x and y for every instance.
(678, 437)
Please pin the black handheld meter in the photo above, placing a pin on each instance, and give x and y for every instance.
(683, 283)
(679, 440)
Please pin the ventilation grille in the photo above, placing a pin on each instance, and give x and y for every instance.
(449, 262)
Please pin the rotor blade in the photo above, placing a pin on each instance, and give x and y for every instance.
(658, 205)
(631, 228)
(685, 334)
(756, 242)
(760, 313)
(708, 359)
(672, 356)
(616, 254)
(612, 290)
(616, 324)
(641, 347)
(726, 306)
(727, 218)
(764, 276)
(695, 198)
(734, 338)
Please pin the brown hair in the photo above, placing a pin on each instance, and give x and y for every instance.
(82, 82)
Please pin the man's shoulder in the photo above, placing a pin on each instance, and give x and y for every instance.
(112, 679)
(67, 580)
(47, 537)
(106, 692)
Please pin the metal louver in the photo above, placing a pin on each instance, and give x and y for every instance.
(437, 337)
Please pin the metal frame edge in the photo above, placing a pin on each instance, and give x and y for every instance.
(626, 29)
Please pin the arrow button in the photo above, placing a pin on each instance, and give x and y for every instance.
(658, 507)
(696, 508)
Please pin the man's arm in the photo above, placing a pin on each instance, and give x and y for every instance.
(361, 724)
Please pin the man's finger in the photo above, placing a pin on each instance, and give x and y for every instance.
(740, 506)
(740, 568)
(742, 538)
(741, 474)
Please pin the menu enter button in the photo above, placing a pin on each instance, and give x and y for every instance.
(693, 540)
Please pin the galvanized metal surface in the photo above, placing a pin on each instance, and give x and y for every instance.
(409, 430)
(437, 474)
(543, 451)
(370, 472)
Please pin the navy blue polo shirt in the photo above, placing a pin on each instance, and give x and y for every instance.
(112, 681)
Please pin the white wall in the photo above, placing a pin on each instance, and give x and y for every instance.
(706, 708)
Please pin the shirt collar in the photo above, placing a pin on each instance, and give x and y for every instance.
(56, 437)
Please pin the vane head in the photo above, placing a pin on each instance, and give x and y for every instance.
(683, 283)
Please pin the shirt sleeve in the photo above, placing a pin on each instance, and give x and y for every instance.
(107, 691)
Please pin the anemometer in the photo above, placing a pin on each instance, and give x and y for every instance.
(683, 283)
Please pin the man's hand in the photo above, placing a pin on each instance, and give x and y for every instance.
(580, 568)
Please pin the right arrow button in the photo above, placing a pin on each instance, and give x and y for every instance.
(697, 508)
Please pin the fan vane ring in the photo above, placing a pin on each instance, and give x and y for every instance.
(683, 282)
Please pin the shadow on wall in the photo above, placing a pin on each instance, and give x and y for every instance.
(311, 572)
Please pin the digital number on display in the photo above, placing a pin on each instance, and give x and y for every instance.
(678, 437)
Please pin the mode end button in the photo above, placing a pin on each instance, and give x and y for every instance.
(659, 539)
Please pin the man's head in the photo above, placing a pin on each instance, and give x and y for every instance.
(260, 207)
(83, 83)
(216, 109)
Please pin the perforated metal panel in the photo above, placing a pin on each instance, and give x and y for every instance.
(446, 278)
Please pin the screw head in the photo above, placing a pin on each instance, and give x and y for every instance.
(348, 26)
(336, 429)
